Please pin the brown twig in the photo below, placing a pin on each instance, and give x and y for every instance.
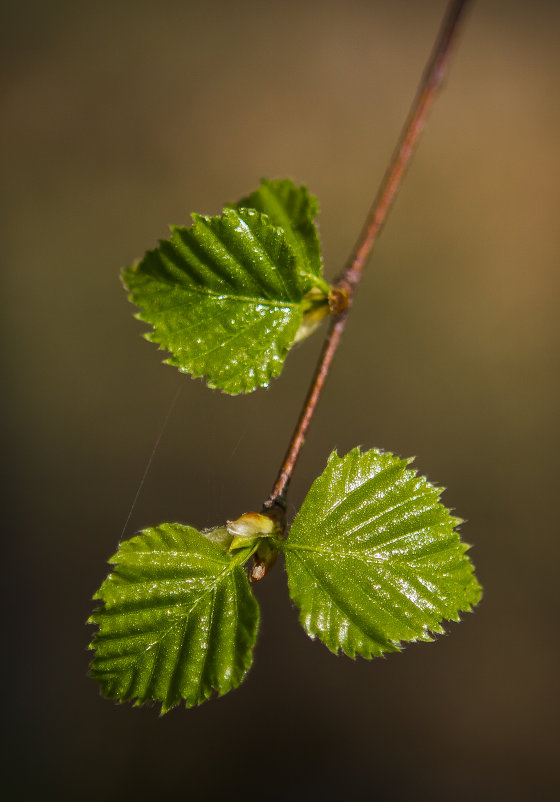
(351, 276)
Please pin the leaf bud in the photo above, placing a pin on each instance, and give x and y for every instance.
(251, 525)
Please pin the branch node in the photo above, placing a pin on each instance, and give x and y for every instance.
(339, 298)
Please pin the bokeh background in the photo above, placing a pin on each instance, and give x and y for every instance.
(122, 117)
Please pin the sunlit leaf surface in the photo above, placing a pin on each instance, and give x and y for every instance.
(294, 210)
(179, 620)
(226, 297)
(373, 557)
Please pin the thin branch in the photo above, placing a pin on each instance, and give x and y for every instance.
(430, 83)
(346, 285)
(330, 345)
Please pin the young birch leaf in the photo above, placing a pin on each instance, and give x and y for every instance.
(179, 619)
(373, 558)
(294, 210)
(226, 297)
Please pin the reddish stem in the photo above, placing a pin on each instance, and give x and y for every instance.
(431, 81)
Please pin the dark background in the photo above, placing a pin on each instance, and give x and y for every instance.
(122, 117)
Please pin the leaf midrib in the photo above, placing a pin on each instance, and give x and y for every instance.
(188, 288)
(334, 554)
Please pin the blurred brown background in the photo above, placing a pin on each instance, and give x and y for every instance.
(122, 117)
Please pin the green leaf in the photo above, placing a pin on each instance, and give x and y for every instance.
(373, 558)
(226, 297)
(294, 210)
(179, 619)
